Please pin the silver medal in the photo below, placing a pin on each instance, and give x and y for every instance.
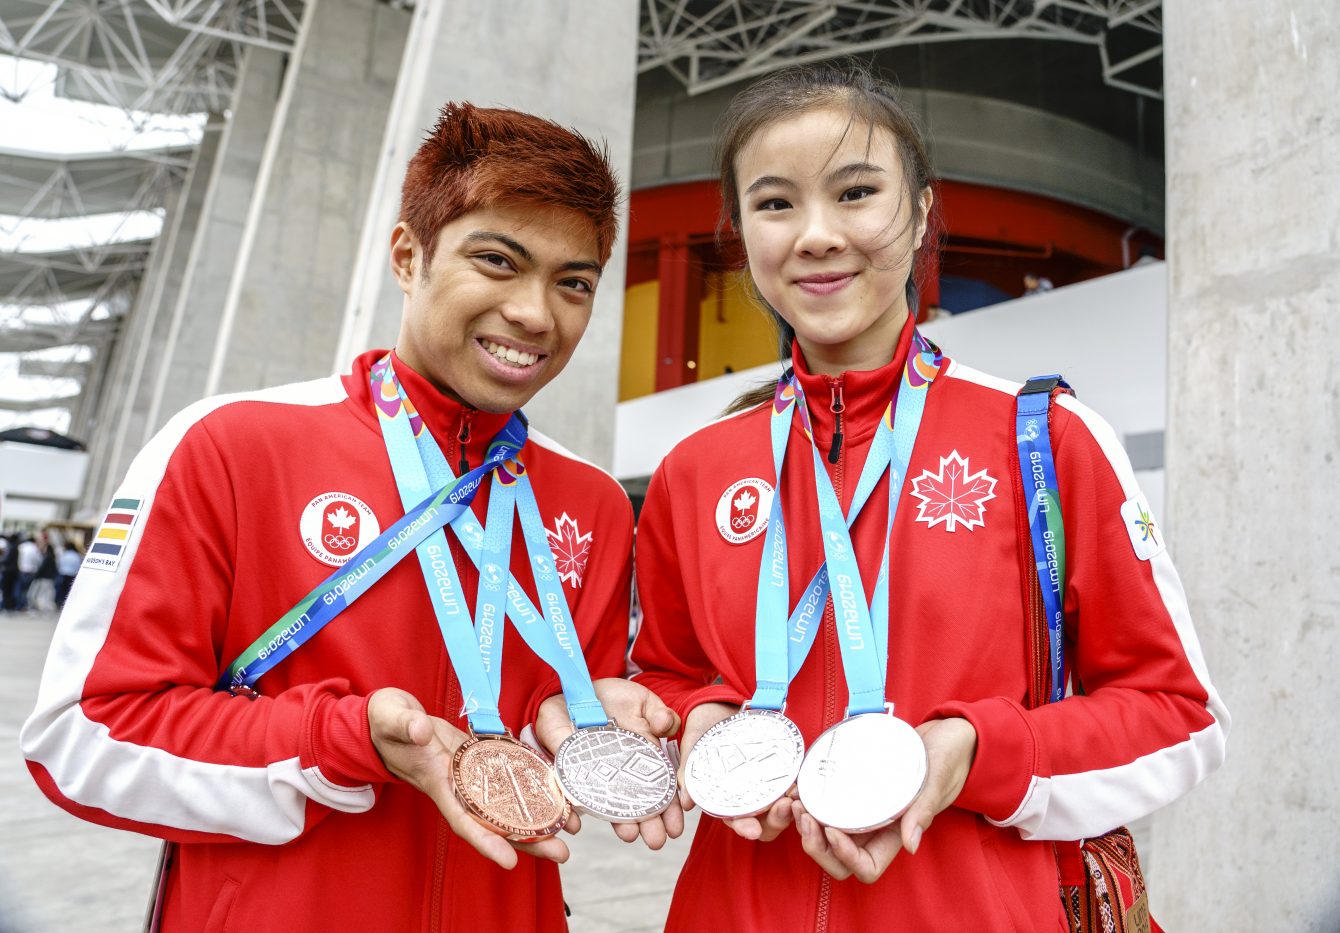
(863, 773)
(614, 774)
(745, 763)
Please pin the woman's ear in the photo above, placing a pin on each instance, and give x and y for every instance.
(925, 201)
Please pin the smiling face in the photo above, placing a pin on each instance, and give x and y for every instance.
(502, 305)
(829, 228)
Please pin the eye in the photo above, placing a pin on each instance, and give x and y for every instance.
(772, 204)
(578, 285)
(497, 260)
(859, 193)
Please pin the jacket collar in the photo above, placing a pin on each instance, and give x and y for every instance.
(445, 417)
(865, 393)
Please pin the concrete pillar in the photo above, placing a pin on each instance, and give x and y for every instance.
(281, 318)
(194, 319)
(125, 391)
(572, 63)
(1254, 329)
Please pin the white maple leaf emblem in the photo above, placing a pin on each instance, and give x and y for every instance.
(342, 518)
(571, 549)
(954, 496)
(744, 500)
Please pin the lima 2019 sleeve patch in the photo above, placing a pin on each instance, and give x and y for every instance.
(113, 537)
(1146, 536)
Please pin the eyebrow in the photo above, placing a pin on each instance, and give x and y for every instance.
(847, 171)
(485, 236)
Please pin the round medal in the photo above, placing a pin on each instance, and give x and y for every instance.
(863, 773)
(508, 788)
(745, 763)
(614, 774)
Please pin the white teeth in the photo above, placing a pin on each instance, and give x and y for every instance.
(509, 354)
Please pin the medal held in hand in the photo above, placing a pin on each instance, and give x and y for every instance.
(745, 763)
(863, 773)
(508, 788)
(614, 774)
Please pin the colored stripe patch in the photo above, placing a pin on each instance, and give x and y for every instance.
(120, 518)
(105, 549)
(125, 503)
(114, 534)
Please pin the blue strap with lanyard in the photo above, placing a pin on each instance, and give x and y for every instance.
(499, 595)
(1038, 472)
(339, 590)
(781, 648)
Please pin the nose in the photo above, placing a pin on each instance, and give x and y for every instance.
(528, 308)
(819, 236)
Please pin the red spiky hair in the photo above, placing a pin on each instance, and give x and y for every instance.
(475, 157)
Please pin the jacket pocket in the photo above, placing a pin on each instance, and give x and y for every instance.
(222, 910)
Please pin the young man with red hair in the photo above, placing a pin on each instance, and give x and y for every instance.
(321, 799)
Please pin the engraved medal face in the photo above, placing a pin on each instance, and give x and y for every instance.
(863, 773)
(614, 774)
(745, 763)
(508, 788)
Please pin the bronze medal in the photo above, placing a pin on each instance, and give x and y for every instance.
(508, 788)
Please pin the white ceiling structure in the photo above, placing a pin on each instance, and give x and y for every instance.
(181, 57)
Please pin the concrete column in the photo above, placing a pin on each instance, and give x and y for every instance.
(287, 288)
(125, 391)
(572, 63)
(194, 318)
(1252, 472)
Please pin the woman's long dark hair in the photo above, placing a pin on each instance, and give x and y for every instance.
(873, 103)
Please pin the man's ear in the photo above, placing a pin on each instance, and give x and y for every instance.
(406, 256)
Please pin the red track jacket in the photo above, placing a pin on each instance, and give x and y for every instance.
(1149, 728)
(287, 818)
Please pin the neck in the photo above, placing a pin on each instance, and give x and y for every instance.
(870, 350)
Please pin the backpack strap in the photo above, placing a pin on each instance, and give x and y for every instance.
(1041, 537)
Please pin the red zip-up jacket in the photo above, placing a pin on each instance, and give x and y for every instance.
(1148, 728)
(285, 815)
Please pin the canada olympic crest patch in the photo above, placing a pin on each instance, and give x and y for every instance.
(742, 510)
(335, 526)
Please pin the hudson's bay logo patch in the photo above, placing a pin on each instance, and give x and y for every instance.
(113, 537)
(1146, 535)
(955, 495)
(742, 510)
(336, 525)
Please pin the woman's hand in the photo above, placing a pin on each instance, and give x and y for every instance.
(951, 745)
(762, 828)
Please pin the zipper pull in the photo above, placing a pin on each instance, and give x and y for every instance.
(462, 437)
(838, 406)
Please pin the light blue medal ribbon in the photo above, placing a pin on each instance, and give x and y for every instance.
(864, 629)
(479, 679)
(551, 635)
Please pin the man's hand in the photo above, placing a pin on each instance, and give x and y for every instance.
(950, 747)
(762, 828)
(636, 709)
(417, 748)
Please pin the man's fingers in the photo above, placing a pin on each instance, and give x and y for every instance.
(652, 832)
(776, 819)
(815, 844)
(574, 824)
(673, 818)
(628, 832)
(552, 848)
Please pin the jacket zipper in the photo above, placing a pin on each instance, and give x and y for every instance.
(463, 438)
(838, 406)
(831, 671)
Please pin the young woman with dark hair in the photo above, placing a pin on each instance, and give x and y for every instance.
(884, 733)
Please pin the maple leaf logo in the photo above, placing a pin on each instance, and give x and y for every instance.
(954, 496)
(571, 549)
(744, 500)
(341, 518)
